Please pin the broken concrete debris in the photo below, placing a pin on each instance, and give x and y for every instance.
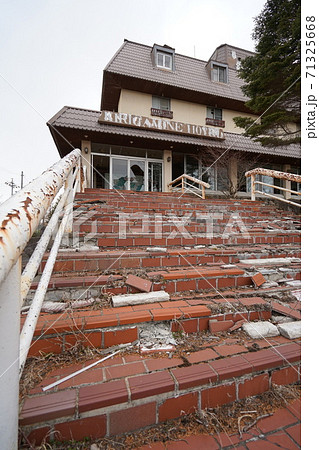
(139, 283)
(156, 249)
(270, 261)
(140, 298)
(290, 330)
(260, 330)
(156, 337)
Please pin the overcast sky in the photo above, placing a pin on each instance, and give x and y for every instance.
(53, 52)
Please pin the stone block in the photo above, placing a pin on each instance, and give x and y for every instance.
(137, 299)
(290, 330)
(259, 330)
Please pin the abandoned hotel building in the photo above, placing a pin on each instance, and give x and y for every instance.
(164, 114)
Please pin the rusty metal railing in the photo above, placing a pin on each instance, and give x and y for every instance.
(185, 183)
(20, 216)
(288, 177)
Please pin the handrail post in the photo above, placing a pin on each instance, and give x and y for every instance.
(183, 185)
(9, 357)
(253, 187)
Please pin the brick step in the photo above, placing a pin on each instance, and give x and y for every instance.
(104, 328)
(71, 261)
(153, 198)
(166, 211)
(72, 285)
(167, 241)
(132, 391)
(133, 227)
(109, 206)
(178, 281)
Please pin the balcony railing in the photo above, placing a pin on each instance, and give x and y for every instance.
(215, 122)
(20, 216)
(288, 177)
(187, 184)
(162, 113)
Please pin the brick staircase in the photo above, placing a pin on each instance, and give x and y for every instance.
(208, 255)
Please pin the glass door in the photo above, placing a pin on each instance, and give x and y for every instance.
(137, 175)
(120, 179)
(100, 171)
(155, 179)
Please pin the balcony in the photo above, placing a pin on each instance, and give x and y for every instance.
(162, 113)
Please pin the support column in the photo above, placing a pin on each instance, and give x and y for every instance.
(232, 171)
(9, 357)
(167, 169)
(86, 160)
(286, 183)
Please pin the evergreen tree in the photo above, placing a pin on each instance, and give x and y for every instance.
(274, 74)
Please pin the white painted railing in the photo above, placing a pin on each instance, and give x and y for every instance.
(19, 218)
(186, 183)
(289, 177)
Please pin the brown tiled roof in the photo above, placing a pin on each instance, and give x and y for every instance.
(134, 60)
(87, 120)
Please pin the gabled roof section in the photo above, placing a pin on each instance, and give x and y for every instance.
(132, 68)
(231, 55)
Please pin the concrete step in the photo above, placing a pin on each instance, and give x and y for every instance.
(131, 391)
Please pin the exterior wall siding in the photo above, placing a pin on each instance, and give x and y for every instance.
(140, 104)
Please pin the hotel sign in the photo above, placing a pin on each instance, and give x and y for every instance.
(160, 124)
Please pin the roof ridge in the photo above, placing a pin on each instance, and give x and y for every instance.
(115, 54)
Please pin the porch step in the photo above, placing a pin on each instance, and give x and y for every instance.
(135, 389)
(88, 261)
(132, 391)
(214, 277)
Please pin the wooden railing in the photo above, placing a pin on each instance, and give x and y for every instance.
(288, 177)
(187, 184)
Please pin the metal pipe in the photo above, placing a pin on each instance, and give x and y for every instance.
(21, 214)
(36, 257)
(35, 308)
(9, 357)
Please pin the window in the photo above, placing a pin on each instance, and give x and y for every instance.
(162, 103)
(163, 57)
(215, 117)
(164, 60)
(219, 73)
(161, 106)
(214, 113)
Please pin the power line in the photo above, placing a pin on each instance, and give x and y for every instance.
(12, 185)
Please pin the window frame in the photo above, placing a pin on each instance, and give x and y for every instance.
(219, 66)
(165, 52)
(157, 110)
(165, 55)
(211, 118)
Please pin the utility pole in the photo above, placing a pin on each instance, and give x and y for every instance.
(22, 175)
(12, 185)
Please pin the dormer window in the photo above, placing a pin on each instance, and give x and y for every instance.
(164, 60)
(163, 57)
(219, 73)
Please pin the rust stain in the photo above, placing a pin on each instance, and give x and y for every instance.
(10, 217)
